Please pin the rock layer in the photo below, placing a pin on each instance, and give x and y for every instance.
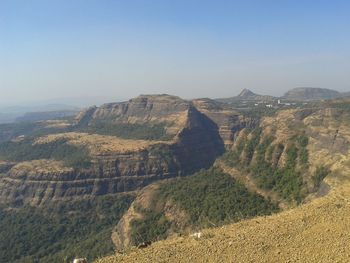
(201, 135)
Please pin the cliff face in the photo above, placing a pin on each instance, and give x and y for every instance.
(200, 134)
(228, 121)
(145, 109)
(295, 142)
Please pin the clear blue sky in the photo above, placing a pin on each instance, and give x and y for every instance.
(119, 49)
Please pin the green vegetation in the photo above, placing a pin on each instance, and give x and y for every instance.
(287, 181)
(251, 145)
(209, 197)
(146, 131)
(342, 105)
(31, 129)
(320, 173)
(231, 158)
(152, 227)
(25, 150)
(213, 197)
(247, 147)
(303, 141)
(161, 152)
(58, 233)
(258, 112)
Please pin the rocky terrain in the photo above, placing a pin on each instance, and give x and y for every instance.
(141, 154)
(315, 231)
(191, 135)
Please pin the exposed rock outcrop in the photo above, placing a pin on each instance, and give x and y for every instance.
(200, 133)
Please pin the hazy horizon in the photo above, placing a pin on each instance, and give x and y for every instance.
(117, 50)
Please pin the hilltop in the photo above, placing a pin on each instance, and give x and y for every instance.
(305, 94)
(247, 95)
(301, 94)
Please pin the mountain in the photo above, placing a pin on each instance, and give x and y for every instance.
(246, 95)
(117, 147)
(307, 94)
(345, 94)
(296, 156)
(296, 94)
(157, 166)
(54, 169)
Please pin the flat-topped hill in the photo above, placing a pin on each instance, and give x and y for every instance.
(304, 94)
(116, 147)
(99, 144)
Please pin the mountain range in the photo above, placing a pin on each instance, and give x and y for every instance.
(128, 174)
(296, 94)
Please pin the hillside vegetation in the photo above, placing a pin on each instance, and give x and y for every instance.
(313, 233)
(144, 131)
(58, 190)
(60, 232)
(206, 199)
(61, 150)
(298, 155)
(286, 180)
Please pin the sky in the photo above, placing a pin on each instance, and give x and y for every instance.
(116, 50)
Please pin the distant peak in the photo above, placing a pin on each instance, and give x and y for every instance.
(246, 93)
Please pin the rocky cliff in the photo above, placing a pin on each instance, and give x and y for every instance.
(314, 138)
(198, 135)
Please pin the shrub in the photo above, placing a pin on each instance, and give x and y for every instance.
(145, 131)
(213, 196)
(58, 231)
(60, 150)
(320, 173)
(153, 226)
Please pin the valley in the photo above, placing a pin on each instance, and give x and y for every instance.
(159, 167)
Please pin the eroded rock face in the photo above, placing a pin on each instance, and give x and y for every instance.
(141, 110)
(228, 122)
(200, 137)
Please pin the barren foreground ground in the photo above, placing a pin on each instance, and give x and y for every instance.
(315, 232)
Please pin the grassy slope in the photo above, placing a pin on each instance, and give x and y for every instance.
(315, 232)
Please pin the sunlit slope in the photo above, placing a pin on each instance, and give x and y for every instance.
(316, 231)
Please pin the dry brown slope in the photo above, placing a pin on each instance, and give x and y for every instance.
(314, 232)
